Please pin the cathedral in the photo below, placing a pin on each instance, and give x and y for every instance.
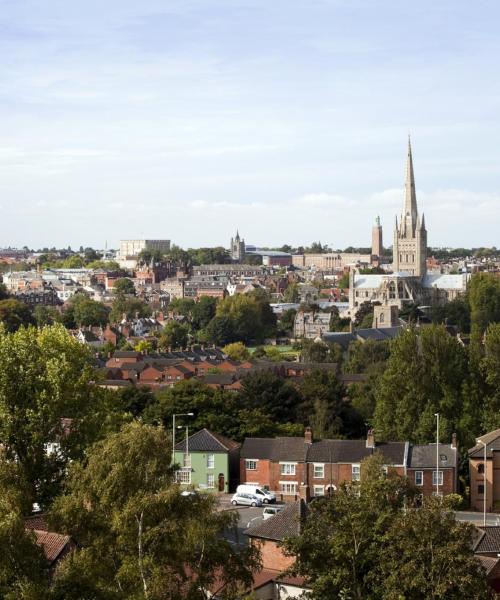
(409, 281)
(237, 248)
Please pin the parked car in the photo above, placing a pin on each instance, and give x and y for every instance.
(245, 499)
(270, 511)
(266, 496)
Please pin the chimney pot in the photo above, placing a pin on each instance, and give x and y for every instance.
(308, 435)
(454, 440)
(370, 438)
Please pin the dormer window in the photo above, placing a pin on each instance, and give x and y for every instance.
(443, 458)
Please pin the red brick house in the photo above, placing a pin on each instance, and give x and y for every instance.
(294, 466)
(485, 476)
(271, 582)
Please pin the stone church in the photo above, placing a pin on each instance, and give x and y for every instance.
(409, 282)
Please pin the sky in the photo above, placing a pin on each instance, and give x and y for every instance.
(286, 119)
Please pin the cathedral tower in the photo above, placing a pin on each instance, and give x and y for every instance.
(410, 235)
(237, 248)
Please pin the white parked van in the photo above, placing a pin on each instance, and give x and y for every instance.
(248, 488)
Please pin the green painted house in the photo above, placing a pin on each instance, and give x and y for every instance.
(208, 461)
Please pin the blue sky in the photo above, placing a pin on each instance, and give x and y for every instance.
(287, 119)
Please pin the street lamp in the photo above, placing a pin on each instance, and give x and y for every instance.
(190, 414)
(479, 441)
(437, 453)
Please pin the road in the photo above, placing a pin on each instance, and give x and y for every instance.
(477, 517)
(247, 517)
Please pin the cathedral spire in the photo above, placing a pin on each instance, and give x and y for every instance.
(410, 206)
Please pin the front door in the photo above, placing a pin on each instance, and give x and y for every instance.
(221, 482)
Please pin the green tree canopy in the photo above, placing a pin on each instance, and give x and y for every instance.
(426, 373)
(174, 335)
(55, 381)
(138, 536)
(124, 286)
(83, 311)
(130, 307)
(14, 314)
(236, 351)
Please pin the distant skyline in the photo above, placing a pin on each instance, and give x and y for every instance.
(287, 120)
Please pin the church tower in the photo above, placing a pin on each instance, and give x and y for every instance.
(410, 235)
(237, 248)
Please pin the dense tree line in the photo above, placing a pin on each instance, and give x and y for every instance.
(368, 541)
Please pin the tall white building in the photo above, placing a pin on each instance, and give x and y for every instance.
(132, 248)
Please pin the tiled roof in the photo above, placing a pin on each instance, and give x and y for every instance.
(206, 441)
(285, 524)
(36, 522)
(488, 540)
(424, 456)
(492, 441)
(52, 543)
(352, 451)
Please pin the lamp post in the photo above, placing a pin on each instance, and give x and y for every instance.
(190, 414)
(437, 453)
(479, 441)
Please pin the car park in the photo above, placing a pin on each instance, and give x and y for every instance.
(266, 496)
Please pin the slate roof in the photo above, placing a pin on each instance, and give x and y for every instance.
(353, 451)
(424, 456)
(492, 441)
(207, 441)
(218, 378)
(286, 523)
(488, 540)
(126, 354)
(338, 451)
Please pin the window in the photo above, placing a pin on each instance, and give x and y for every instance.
(287, 468)
(210, 480)
(184, 476)
(480, 468)
(210, 461)
(319, 471)
(437, 477)
(250, 464)
(356, 472)
(480, 489)
(419, 478)
(288, 487)
(319, 490)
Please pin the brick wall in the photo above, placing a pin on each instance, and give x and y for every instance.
(272, 555)
(260, 475)
(427, 489)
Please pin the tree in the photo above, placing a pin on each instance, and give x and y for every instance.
(174, 335)
(367, 357)
(202, 312)
(270, 393)
(130, 307)
(82, 311)
(490, 373)
(14, 314)
(483, 294)
(427, 372)
(124, 286)
(129, 520)
(46, 315)
(55, 381)
(326, 407)
(23, 569)
(236, 351)
(320, 352)
(220, 331)
(364, 316)
(337, 323)
(456, 312)
(428, 554)
(287, 320)
(343, 282)
(291, 293)
(136, 399)
(4, 294)
(343, 535)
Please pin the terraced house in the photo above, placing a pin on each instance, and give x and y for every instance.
(296, 467)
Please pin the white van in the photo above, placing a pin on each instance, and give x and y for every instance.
(248, 488)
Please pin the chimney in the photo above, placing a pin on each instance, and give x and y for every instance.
(454, 441)
(370, 438)
(308, 435)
